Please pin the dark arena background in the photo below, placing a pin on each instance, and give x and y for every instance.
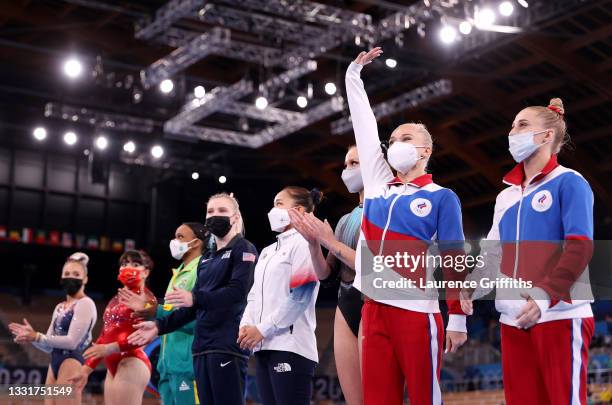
(118, 119)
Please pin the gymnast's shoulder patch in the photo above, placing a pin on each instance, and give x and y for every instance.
(542, 201)
(421, 207)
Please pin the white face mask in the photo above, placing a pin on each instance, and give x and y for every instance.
(352, 180)
(279, 219)
(521, 146)
(403, 156)
(178, 248)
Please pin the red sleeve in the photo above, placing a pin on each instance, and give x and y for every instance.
(576, 256)
(453, 273)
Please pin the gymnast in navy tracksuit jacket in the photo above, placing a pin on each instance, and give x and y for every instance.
(217, 303)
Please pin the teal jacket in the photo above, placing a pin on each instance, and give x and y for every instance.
(175, 353)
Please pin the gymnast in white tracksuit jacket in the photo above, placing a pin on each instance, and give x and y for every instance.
(279, 321)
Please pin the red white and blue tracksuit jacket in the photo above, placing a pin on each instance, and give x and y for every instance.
(393, 211)
(543, 233)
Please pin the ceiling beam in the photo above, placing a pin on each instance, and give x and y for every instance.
(552, 51)
(599, 34)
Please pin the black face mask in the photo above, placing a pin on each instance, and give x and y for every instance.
(218, 225)
(71, 285)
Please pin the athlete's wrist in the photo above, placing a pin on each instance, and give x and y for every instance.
(456, 323)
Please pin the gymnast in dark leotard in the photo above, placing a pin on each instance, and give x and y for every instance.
(70, 330)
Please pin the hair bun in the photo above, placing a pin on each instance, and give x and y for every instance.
(316, 195)
(80, 257)
(199, 230)
(557, 105)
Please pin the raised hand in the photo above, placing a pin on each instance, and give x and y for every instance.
(179, 298)
(323, 230)
(136, 302)
(367, 57)
(144, 334)
(22, 333)
(302, 226)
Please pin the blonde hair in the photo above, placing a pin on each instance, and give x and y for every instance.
(553, 117)
(422, 129)
(235, 205)
(79, 257)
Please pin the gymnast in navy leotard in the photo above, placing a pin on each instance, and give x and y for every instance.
(69, 333)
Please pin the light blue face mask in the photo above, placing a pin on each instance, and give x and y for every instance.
(521, 146)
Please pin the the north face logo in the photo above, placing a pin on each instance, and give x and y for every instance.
(282, 368)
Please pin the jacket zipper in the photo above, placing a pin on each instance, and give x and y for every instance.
(518, 229)
(382, 242)
(163, 355)
(263, 277)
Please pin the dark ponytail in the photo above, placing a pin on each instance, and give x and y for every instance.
(304, 198)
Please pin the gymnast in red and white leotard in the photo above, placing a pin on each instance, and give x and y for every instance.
(129, 368)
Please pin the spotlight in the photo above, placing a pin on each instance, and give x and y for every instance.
(448, 34)
(421, 30)
(261, 102)
(129, 147)
(391, 63)
(465, 28)
(523, 3)
(101, 142)
(222, 179)
(73, 68)
(506, 8)
(302, 102)
(330, 88)
(157, 151)
(70, 138)
(166, 86)
(137, 95)
(40, 133)
(484, 17)
(195, 175)
(243, 123)
(199, 91)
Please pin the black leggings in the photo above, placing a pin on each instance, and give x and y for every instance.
(284, 378)
(220, 378)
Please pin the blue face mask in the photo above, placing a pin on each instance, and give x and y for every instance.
(521, 146)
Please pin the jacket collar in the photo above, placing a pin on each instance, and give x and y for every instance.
(287, 234)
(516, 176)
(231, 243)
(418, 182)
(193, 264)
(281, 237)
